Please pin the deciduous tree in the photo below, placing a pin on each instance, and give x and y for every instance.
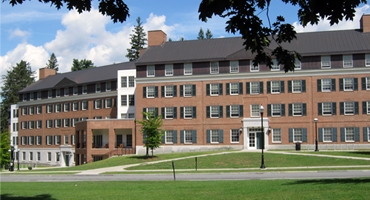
(138, 40)
(151, 130)
(4, 148)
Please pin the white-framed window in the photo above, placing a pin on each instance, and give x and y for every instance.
(326, 85)
(49, 157)
(23, 140)
(349, 134)
(327, 134)
(38, 140)
(24, 97)
(254, 68)
(297, 135)
(367, 60)
(325, 62)
(66, 137)
(31, 110)
(188, 112)
(66, 107)
(368, 107)
(275, 65)
(168, 70)
(131, 99)
(50, 94)
(234, 88)
(327, 108)
(169, 137)
(31, 140)
(58, 107)
(234, 66)
(348, 84)
(123, 81)
(38, 156)
(214, 68)
(39, 109)
(73, 139)
(57, 157)
(84, 89)
(38, 124)
(75, 106)
(151, 110)
(297, 109)
(49, 123)
(296, 86)
(131, 81)
(31, 125)
(123, 100)
(255, 88)
(168, 91)
(97, 87)
(74, 121)
(123, 115)
(38, 95)
(275, 87)
(276, 135)
(84, 105)
(150, 92)
(150, 71)
(188, 136)
(23, 155)
(75, 90)
(349, 108)
(347, 61)
(66, 91)
(108, 103)
(24, 111)
(214, 111)
(255, 110)
(57, 123)
(367, 86)
(188, 90)
(66, 122)
(24, 125)
(215, 88)
(214, 136)
(31, 96)
(275, 110)
(234, 111)
(49, 108)
(57, 139)
(297, 64)
(49, 140)
(234, 135)
(188, 69)
(108, 86)
(169, 112)
(31, 156)
(57, 92)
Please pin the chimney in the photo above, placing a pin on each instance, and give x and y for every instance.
(156, 38)
(365, 23)
(45, 72)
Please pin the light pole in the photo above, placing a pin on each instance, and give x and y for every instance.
(316, 142)
(11, 158)
(263, 139)
(18, 150)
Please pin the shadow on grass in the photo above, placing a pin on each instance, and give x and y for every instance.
(331, 181)
(37, 197)
(367, 153)
(143, 157)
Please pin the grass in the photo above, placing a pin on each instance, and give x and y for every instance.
(252, 160)
(213, 190)
(362, 154)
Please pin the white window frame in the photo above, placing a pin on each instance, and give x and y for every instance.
(254, 87)
(23, 140)
(297, 64)
(367, 60)
(214, 67)
(214, 111)
(84, 89)
(327, 108)
(274, 109)
(214, 89)
(108, 86)
(150, 92)
(107, 102)
(57, 140)
(31, 140)
(48, 157)
(49, 140)
(24, 110)
(131, 81)
(98, 104)
(297, 134)
(75, 106)
(84, 105)
(213, 134)
(296, 86)
(348, 133)
(150, 71)
(50, 94)
(123, 81)
(31, 96)
(66, 107)
(276, 135)
(66, 122)
(349, 108)
(66, 91)
(188, 137)
(124, 101)
(24, 125)
(57, 123)
(38, 124)
(39, 109)
(368, 107)
(188, 112)
(66, 137)
(234, 66)
(169, 112)
(168, 135)
(31, 156)
(38, 156)
(327, 134)
(168, 70)
(275, 87)
(255, 110)
(31, 110)
(348, 84)
(168, 91)
(38, 95)
(367, 79)
(74, 120)
(188, 68)
(234, 136)
(57, 93)
(97, 87)
(254, 68)
(58, 107)
(38, 140)
(347, 61)
(75, 90)
(234, 88)
(188, 90)
(325, 62)
(275, 66)
(49, 108)
(49, 123)
(325, 84)
(297, 109)
(234, 111)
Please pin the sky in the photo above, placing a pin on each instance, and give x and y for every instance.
(33, 31)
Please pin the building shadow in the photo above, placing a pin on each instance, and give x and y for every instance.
(143, 157)
(367, 153)
(331, 181)
(37, 197)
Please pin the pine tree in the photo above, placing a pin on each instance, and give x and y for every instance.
(17, 78)
(200, 34)
(52, 63)
(138, 40)
(209, 35)
(81, 65)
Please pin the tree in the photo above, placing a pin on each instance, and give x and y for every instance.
(52, 63)
(137, 42)
(209, 35)
(182, 39)
(151, 130)
(116, 9)
(4, 148)
(17, 78)
(81, 65)
(200, 34)
(244, 18)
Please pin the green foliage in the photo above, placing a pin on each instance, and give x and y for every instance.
(200, 34)
(116, 9)
(4, 147)
(138, 39)
(244, 18)
(17, 78)
(151, 130)
(52, 63)
(209, 34)
(81, 65)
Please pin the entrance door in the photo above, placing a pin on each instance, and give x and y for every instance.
(129, 140)
(252, 140)
(259, 140)
(67, 160)
(119, 140)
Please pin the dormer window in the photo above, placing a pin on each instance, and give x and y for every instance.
(97, 87)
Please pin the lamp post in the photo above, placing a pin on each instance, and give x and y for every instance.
(316, 142)
(18, 150)
(263, 139)
(11, 168)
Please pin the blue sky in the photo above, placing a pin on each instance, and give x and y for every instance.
(32, 31)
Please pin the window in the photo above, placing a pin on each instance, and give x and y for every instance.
(108, 86)
(151, 92)
(23, 155)
(214, 68)
(49, 157)
(348, 84)
(50, 94)
(169, 90)
(57, 92)
(169, 137)
(189, 112)
(66, 122)
(255, 110)
(123, 81)
(97, 87)
(347, 61)
(326, 85)
(31, 96)
(32, 110)
(38, 124)
(97, 104)
(73, 139)
(66, 107)
(38, 95)
(188, 69)
(275, 87)
(66, 139)
(297, 109)
(327, 108)
(24, 111)
(57, 139)
(38, 156)
(214, 111)
(123, 100)
(234, 66)
(349, 108)
(325, 62)
(349, 134)
(254, 68)
(39, 109)
(49, 140)
(366, 107)
(131, 81)
(367, 60)
(57, 123)
(31, 124)
(150, 70)
(31, 140)
(169, 112)
(297, 86)
(297, 135)
(24, 140)
(234, 111)
(214, 136)
(152, 110)
(216, 89)
(15, 113)
(57, 157)
(24, 125)
(276, 109)
(31, 156)
(49, 123)
(234, 135)
(66, 91)
(57, 107)
(234, 88)
(49, 108)
(255, 88)
(24, 97)
(84, 89)
(276, 135)
(74, 121)
(84, 105)
(168, 70)
(327, 134)
(108, 103)
(275, 65)
(75, 106)
(187, 90)
(75, 90)
(38, 140)
(297, 64)
(188, 136)
(366, 83)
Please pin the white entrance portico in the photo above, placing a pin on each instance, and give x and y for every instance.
(252, 133)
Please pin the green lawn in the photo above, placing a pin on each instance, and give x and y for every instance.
(363, 154)
(214, 190)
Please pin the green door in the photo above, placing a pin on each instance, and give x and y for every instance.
(67, 160)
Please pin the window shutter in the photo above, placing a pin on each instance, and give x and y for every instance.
(261, 87)
(163, 112)
(208, 112)
(320, 135)
(268, 109)
(334, 131)
(181, 90)
(289, 86)
(303, 82)
(194, 112)
(341, 104)
(357, 134)
(174, 136)
(290, 109)
(268, 87)
(334, 108)
(220, 111)
(182, 136)
(319, 85)
(281, 86)
(174, 112)
(282, 109)
(181, 112)
(194, 136)
(144, 110)
(290, 135)
(208, 136)
(241, 111)
(227, 88)
(340, 84)
(240, 88)
(366, 134)
(221, 136)
(220, 89)
(144, 92)
(363, 83)
(364, 109)
(194, 91)
(333, 87)
(304, 109)
(248, 88)
(208, 89)
(227, 111)
(342, 135)
(355, 84)
(174, 89)
(156, 91)
(162, 91)
(319, 108)
(304, 135)
(356, 108)
(156, 112)
(164, 138)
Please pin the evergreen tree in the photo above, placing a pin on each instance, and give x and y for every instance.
(209, 35)
(138, 40)
(200, 34)
(17, 78)
(151, 130)
(4, 147)
(182, 39)
(52, 63)
(81, 65)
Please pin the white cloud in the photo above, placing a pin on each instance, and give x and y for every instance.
(324, 25)
(18, 33)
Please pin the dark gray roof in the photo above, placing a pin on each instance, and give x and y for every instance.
(311, 43)
(108, 72)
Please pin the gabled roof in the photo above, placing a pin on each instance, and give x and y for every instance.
(104, 73)
(307, 44)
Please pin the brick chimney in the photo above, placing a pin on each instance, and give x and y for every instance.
(156, 38)
(365, 23)
(45, 72)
